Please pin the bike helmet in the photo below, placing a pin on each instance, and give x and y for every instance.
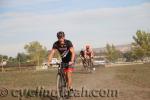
(82, 50)
(60, 34)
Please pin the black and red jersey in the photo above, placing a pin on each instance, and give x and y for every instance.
(64, 50)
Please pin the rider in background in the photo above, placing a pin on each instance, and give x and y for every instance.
(88, 53)
(66, 50)
(82, 56)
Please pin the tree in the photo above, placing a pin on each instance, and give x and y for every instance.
(130, 56)
(141, 44)
(36, 52)
(56, 55)
(21, 57)
(4, 57)
(111, 53)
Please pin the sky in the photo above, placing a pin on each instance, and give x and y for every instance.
(94, 22)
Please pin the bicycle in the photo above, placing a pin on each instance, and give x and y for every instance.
(83, 62)
(87, 64)
(61, 84)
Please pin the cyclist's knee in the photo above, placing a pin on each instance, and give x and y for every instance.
(69, 74)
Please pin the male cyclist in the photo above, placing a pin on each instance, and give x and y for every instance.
(89, 54)
(66, 50)
(82, 56)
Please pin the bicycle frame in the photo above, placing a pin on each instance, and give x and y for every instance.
(88, 64)
(61, 81)
(61, 72)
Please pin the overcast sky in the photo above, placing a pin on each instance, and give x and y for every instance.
(94, 22)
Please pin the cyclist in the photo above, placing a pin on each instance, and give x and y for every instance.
(82, 56)
(88, 53)
(66, 50)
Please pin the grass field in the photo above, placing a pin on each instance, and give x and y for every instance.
(135, 74)
(131, 75)
(29, 78)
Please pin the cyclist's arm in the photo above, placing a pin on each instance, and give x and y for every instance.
(73, 54)
(51, 54)
(85, 55)
(92, 54)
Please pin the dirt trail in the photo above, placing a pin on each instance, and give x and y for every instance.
(102, 78)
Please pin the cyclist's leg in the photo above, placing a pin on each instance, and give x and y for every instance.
(92, 64)
(87, 63)
(88, 60)
(92, 61)
(84, 63)
(69, 76)
(68, 73)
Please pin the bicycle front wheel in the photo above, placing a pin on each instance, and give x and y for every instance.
(60, 87)
(90, 65)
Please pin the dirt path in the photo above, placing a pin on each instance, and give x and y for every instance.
(105, 79)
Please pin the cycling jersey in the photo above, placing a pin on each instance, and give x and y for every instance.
(63, 49)
(88, 53)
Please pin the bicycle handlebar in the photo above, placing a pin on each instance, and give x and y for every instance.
(61, 63)
(55, 64)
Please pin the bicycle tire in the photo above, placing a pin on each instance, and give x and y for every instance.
(60, 94)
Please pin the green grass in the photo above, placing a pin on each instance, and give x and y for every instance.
(27, 78)
(138, 75)
(32, 78)
(130, 74)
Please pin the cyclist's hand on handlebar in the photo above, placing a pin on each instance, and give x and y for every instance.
(71, 63)
(49, 64)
